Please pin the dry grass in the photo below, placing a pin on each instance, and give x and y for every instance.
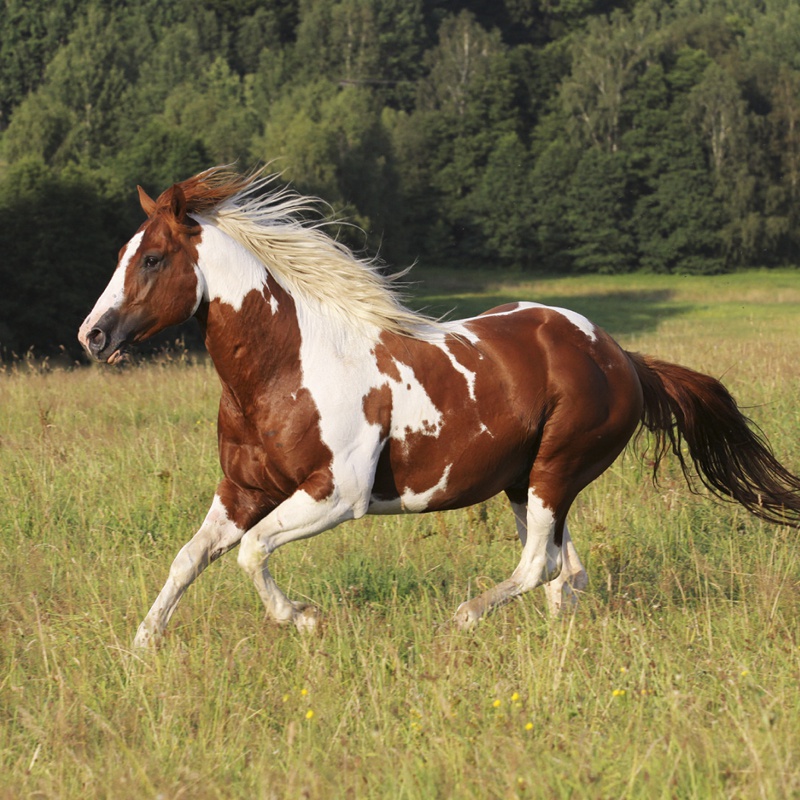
(677, 678)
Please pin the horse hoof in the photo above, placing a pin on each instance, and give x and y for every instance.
(467, 616)
(306, 619)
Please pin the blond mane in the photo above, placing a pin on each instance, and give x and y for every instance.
(273, 225)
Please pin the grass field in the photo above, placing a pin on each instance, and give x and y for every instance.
(677, 678)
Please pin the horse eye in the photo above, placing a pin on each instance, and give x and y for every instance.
(151, 261)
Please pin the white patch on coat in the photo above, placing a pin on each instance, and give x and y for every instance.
(469, 375)
(419, 501)
(413, 410)
(114, 294)
(229, 270)
(578, 320)
(411, 502)
(538, 514)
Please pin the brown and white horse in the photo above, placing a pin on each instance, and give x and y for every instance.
(337, 401)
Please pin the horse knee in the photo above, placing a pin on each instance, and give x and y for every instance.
(251, 554)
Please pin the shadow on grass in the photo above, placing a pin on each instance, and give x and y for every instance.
(619, 313)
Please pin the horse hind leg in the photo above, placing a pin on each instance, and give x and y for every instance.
(540, 563)
(563, 591)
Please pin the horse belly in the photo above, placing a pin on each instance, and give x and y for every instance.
(434, 473)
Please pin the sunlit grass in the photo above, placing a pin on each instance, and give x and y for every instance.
(677, 678)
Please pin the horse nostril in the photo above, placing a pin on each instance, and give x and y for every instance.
(96, 339)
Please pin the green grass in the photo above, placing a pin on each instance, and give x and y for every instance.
(677, 678)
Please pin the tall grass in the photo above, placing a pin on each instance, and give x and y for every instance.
(678, 677)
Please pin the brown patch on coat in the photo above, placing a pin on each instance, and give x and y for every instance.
(269, 433)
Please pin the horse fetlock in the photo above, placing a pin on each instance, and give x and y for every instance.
(563, 593)
(552, 567)
(579, 581)
(306, 618)
(147, 638)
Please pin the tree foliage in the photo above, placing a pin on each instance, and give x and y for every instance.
(551, 135)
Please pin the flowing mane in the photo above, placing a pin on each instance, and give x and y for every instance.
(299, 254)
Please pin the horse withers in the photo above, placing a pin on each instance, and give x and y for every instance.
(338, 401)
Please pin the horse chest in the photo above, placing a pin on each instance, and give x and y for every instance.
(274, 446)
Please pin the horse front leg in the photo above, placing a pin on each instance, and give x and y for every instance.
(298, 517)
(216, 536)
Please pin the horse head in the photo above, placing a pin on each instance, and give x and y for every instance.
(156, 283)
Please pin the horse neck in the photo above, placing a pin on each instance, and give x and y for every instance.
(249, 321)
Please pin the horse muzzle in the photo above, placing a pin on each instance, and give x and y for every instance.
(103, 341)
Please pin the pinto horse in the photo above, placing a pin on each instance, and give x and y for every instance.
(338, 401)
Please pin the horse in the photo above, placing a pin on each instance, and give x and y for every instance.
(338, 400)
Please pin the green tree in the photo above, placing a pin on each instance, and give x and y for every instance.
(215, 108)
(329, 141)
(599, 214)
(157, 156)
(551, 176)
(606, 62)
(49, 281)
(677, 218)
(30, 33)
(502, 203)
(84, 85)
(373, 43)
(468, 120)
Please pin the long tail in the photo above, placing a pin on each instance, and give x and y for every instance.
(731, 456)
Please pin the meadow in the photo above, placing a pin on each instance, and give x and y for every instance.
(677, 678)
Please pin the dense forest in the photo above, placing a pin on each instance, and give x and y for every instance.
(550, 135)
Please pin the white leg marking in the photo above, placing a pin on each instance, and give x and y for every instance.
(298, 517)
(540, 563)
(216, 536)
(564, 591)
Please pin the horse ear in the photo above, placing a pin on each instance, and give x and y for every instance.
(177, 203)
(147, 202)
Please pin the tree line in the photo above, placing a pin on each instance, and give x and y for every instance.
(551, 135)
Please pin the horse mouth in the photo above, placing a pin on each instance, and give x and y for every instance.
(118, 356)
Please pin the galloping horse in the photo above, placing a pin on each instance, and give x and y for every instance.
(337, 401)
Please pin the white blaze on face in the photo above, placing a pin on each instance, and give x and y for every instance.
(114, 293)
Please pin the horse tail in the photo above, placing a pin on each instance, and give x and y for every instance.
(731, 456)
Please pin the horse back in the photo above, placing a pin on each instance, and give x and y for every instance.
(501, 383)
